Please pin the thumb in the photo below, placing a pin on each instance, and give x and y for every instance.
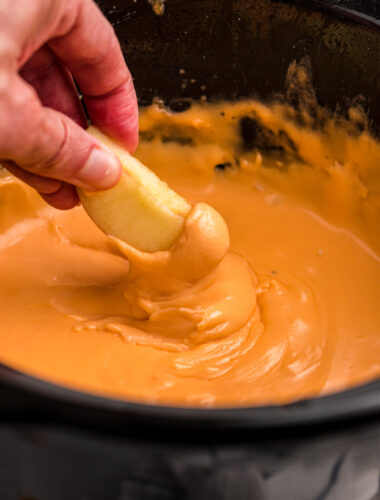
(47, 143)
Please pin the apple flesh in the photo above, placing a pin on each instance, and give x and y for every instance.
(141, 209)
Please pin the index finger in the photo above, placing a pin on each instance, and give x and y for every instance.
(91, 51)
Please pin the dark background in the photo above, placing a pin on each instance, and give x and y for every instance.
(230, 49)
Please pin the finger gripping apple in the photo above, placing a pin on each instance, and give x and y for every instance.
(141, 209)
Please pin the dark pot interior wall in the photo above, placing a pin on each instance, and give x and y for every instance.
(238, 48)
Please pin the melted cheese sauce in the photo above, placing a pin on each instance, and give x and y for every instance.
(292, 310)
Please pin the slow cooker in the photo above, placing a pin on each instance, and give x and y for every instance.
(60, 444)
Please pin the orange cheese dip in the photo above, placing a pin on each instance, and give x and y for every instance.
(290, 311)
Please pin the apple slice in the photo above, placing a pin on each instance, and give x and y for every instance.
(141, 209)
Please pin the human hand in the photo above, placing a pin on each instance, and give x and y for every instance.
(43, 45)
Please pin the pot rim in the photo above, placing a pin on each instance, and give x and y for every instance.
(35, 395)
(348, 14)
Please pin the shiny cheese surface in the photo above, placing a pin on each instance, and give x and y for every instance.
(291, 310)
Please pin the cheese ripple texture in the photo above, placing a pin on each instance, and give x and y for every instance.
(282, 305)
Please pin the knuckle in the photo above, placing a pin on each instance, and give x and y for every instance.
(21, 109)
(68, 15)
(59, 150)
(49, 146)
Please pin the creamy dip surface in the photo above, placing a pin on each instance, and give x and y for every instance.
(290, 311)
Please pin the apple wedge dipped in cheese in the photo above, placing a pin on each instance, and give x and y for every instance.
(141, 209)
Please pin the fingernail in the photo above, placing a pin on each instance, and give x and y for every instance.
(102, 170)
